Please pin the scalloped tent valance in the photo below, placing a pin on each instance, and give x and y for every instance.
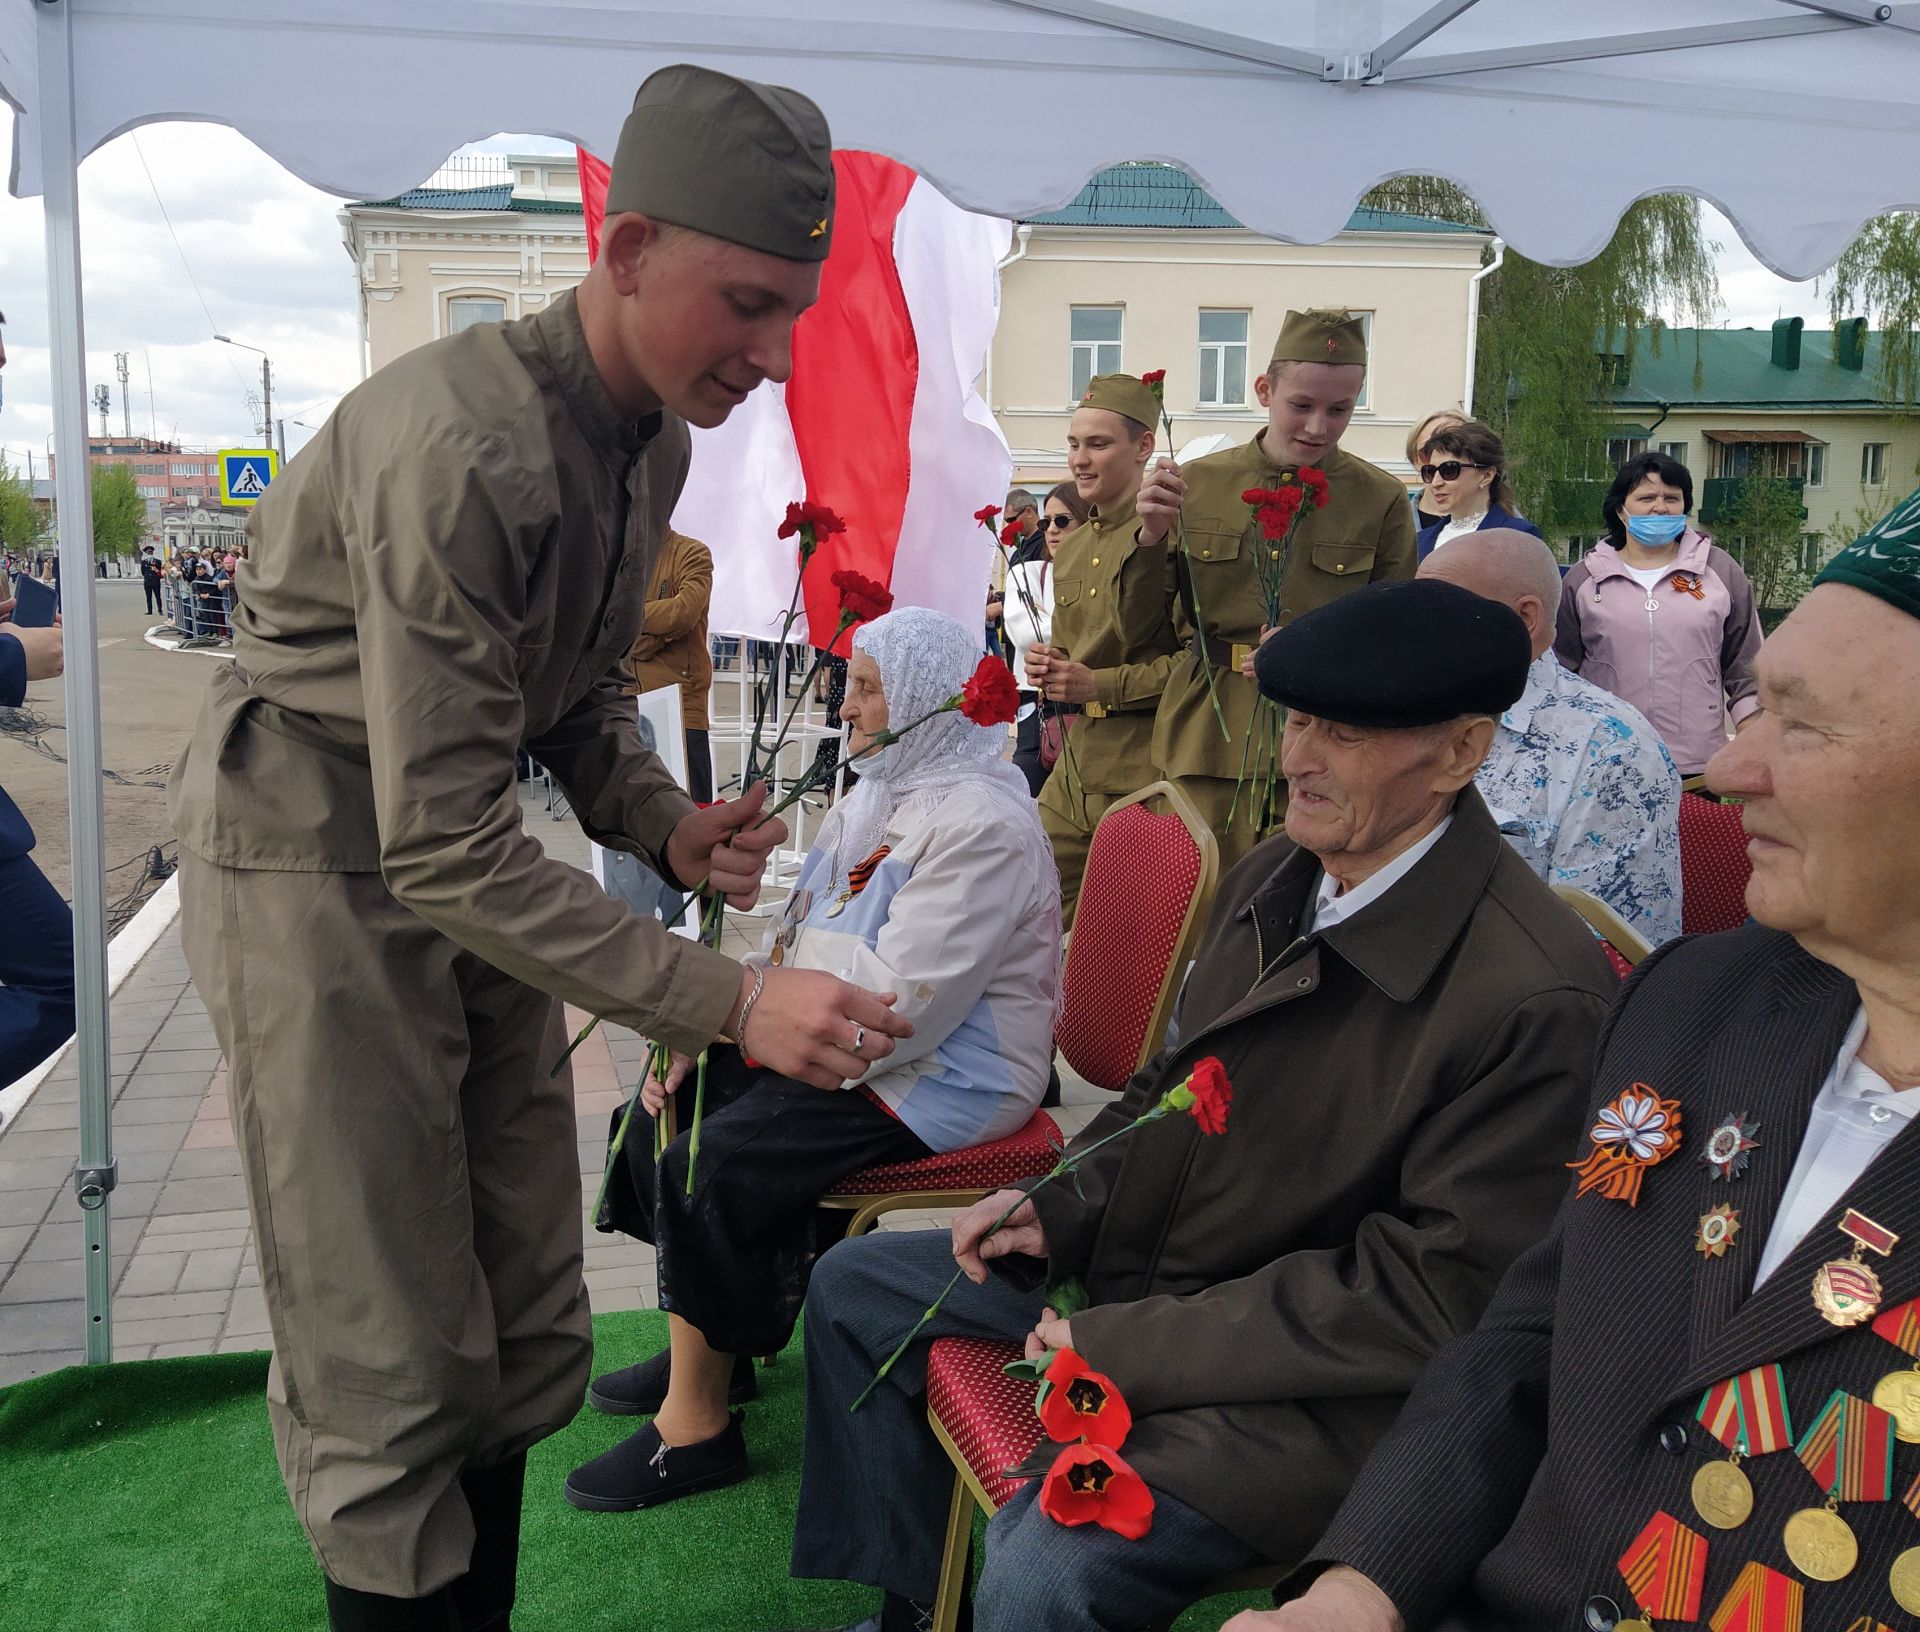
(1796, 117)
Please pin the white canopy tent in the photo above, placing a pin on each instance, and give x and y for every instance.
(1797, 118)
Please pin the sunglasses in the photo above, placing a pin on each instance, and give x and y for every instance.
(1062, 522)
(1449, 471)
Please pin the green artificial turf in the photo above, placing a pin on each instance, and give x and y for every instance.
(144, 1498)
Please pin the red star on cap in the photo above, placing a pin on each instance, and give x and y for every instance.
(1332, 344)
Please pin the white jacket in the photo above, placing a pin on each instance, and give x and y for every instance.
(1022, 630)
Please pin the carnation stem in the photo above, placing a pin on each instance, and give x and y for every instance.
(657, 1061)
(1066, 1164)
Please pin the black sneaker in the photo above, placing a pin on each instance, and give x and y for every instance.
(642, 1471)
(640, 1390)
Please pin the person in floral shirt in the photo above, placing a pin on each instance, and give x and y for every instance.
(1581, 784)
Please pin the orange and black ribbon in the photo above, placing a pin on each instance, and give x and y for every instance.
(1849, 1449)
(859, 875)
(1749, 1413)
(1693, 586)
(1900, 1326)
(1666, 1568)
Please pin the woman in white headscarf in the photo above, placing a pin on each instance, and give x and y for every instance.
(931, 880)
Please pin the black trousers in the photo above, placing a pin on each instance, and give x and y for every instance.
(153, 595)
(736, 1255)
(699, 767)
(1026, 749)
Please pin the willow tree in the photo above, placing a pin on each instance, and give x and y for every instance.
(1878, 278)
(1543, 376)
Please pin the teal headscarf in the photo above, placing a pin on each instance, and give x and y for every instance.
(1884, 560)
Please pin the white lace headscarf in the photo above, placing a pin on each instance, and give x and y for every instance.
(925, 657)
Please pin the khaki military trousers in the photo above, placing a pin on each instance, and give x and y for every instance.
(1232, 824)
(1070, 811)
(412, 1171)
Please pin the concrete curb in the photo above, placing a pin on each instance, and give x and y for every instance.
(163, 637)
(124, 953)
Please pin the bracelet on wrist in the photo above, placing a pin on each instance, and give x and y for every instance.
(746, 1008)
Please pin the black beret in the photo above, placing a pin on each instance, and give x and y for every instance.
(1395, 655)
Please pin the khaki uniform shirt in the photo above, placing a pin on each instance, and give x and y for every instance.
(672, 649)
(1110, 602)
(1366, 532)
(455, 568)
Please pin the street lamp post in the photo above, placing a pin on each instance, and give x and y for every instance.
(266, 387)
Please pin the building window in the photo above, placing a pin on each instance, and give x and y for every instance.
(1364, 402)
(149, 470)
(1873, 464)
(1734, 461)
(1622, 448)
(1223, 359)
(1676, 451)
(1094, 342)
(463, 311)
(1816, 464)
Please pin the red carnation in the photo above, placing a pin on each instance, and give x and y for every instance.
(861, 599)
(1081, 1403)
(1089, 1484)
(1010, 536)
(1274, 508)
(1315, 481)
(991, 695)
(817, 517)
(1155, 380)
(1212, 1095)
(987, 515)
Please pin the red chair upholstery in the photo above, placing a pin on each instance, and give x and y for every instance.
(1149, 878)
(1713, 866)
(1621, 967)
(992, 1166)
(986, 1415)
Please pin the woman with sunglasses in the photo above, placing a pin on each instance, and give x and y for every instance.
(1029, 617)
(1463, 469)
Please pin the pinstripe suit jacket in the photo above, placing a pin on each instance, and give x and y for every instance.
(1535, 1449)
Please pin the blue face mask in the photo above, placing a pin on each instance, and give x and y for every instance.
(1656, 529)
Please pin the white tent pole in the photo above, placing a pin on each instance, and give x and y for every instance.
(93, 1179)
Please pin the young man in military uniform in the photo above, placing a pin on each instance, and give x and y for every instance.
(1113, 643)
(452, 571)
(1695, 1402)
(1365, 533)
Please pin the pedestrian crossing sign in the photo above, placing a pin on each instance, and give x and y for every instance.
(246, 474)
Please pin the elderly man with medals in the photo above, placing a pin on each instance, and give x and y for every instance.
(452, 571)
(1697, 1400)
(1219, 607)
(1112, 644)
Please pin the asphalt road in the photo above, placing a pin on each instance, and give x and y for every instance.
(148, 702)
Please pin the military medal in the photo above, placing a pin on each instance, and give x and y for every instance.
(1728, 1144)
(1665, 1570)
(1866, 1623)
(1899, 1391)
(1638, 1130)
(1747, 1414)
(1718, 1226)
(1760, 1600)
(1849, 1452)
(1904, 1580)
(858, 877)
(1845, 1290)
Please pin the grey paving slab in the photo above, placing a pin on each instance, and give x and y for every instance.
(222, 1162)
(31, 1328)
(26, 1203)
(233, 1218)
(42, 1114)
(18, 1368)
(49, 1281)
(247, 1315)
(203, 1330)
(191, 1240)
(14, 1239)
(168, 1084)
(145, 1166)
(149, 1274)
(202, 1195)
(168, 1305)
(151, 1108)
(212, 1269)
(132, 1201)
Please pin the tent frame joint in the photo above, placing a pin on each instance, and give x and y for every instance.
(92, 1185)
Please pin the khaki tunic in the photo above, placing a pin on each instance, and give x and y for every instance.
(453, 569)
(1365, 533)
(1110, 602)
(672, 649)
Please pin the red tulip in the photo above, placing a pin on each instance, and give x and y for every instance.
(991, 695)
(1081, 1403)
(1089, 1484)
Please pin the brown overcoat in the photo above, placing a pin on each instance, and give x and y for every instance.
(1407, 1087)
(672, 649)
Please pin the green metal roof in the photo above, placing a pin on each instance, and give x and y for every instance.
(1734, 368)
(467, 199)
(1159, 195)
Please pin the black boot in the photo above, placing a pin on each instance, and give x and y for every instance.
(349, 1610)
(484, 1595)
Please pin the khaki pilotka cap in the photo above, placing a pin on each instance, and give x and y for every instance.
(1123, 394)
(749, 163)
(1320, 336)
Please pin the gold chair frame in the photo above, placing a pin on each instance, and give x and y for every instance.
(1606, 923)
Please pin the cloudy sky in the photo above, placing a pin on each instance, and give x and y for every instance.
(256, 254)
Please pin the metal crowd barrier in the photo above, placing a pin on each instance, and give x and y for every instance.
(195, 616)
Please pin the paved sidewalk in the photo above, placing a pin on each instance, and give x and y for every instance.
(184, 1272)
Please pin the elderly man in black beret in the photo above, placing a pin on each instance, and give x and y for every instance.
(1408, 1018)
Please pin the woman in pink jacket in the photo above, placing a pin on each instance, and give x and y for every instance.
(1662, 616)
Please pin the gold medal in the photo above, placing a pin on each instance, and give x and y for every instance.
(1637, 1624)
(1723, 1495)
(1898, 1394)
(1904, 1579)
(1821, 1544)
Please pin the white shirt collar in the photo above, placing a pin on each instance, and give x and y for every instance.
(1331, 908)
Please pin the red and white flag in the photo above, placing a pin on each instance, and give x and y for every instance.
(880, 422)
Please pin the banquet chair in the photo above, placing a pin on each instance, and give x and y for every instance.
(1149, 882)
(1713, 866)
(986, 1423)
(1622, 943)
